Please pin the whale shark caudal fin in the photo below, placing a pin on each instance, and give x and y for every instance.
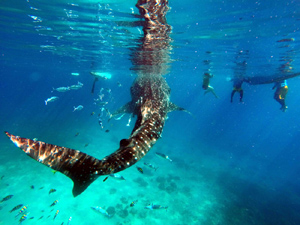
(78, 166)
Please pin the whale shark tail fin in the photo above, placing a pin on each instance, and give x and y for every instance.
(80, 167)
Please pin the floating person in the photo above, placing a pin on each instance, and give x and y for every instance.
(51, 99)
(237, 87)
(270, 79)
(78, 108)
(280, 94)
(206, 86)
(98, 75)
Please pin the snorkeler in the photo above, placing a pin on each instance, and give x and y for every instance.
(237, 87)
(280, 93)
(206, 86)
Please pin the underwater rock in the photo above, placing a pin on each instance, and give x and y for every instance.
(123, 213)
(142, 214)
(111, 210)
(133, 211)
(160, 179)
(112, 191)
(162, 186)
(118, 206)
(124, 200)
(141, 182)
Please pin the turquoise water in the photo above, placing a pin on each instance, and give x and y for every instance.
(233, 163)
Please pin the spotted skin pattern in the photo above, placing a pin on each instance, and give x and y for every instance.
(83, 169)
(150, 95)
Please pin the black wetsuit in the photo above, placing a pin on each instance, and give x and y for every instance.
(237, 87)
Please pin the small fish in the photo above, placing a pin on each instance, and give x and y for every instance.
(54, 203)
(6, 198)
(31, 218)
(140, 169)
(87, 144)
(52, 191)
(76, 86)
(54, 172)
(51, 99)
(35, 139)
(119, 84)
(77, 134)
(78, 108)
(286, 40)
(69, 221)
(133, 203)
(117, 176)
(56, 214)
(62, 89)
(151, 206)
(150, 166)
(2, 177)
(24, 217)
(16, 207)
(41, 188)
(120, 117)
(21, 211)
(100, 123)
(163, 156)
(32, 187)
(41, 218)
(101, 103)
(101, 210)
(105, 178)
(75, 74)
(93, 113)
(106, 131)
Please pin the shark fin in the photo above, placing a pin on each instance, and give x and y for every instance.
(174, 107)
(80, 167)
(127, 108)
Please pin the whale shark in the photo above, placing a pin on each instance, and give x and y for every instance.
(150, 103)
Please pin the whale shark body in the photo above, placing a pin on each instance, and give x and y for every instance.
(150, 103)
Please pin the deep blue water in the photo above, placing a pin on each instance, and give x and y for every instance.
(247, 153)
